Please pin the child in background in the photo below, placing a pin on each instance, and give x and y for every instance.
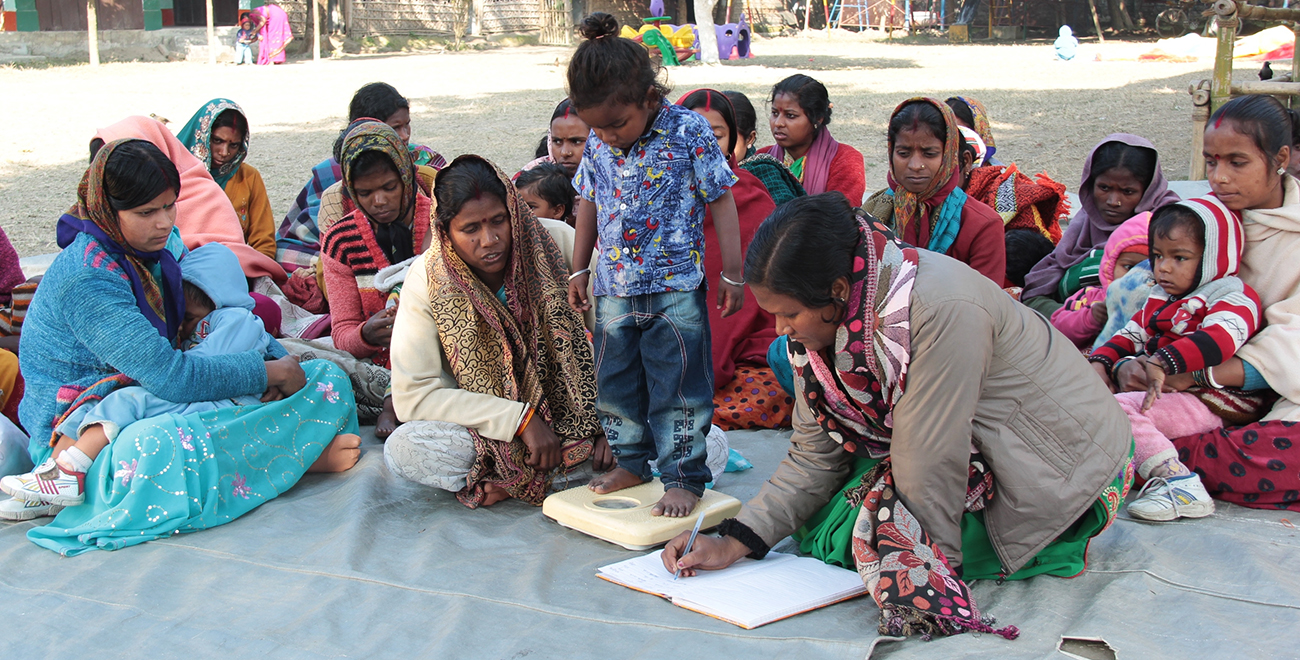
(244, 41)
(1066, 45)
(1025, 247)
(1084, 313)
(645, 179)
(548, 191)
(1197, 316)
(219, 320)
(746, 124)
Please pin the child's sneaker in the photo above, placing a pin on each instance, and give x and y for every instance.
(1171, 499)
(50, 483)
(18, 510)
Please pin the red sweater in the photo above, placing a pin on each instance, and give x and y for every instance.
(351, 256)
(981, 242)
(745, 335)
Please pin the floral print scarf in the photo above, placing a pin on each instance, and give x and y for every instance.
(852, 393)
(196, 135)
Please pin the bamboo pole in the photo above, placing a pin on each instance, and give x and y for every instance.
(1221, 83)
(1200, 116)
(315, 30)
(212, 36)
(1096, 24)
(1244, 10)
(1295, 62)
(92, 31)
(1270, 87)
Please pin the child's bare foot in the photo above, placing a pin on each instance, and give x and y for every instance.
(675, 503)
(387, 422)
(340, 454)
(616, 479)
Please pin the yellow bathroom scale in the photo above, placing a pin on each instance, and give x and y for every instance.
(623, 517)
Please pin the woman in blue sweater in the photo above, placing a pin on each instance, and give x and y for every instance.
(108, 313)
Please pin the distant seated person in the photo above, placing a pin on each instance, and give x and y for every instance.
(565, 139)
(1066, 45)
(547, 189)
(298, 239)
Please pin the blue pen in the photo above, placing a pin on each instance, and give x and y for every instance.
(690, 542)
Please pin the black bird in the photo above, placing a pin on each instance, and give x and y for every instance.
(1266, 73)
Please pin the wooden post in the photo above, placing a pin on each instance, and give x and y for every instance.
(212, 36)
(92, 31)
(1096, 24)
(1221, 83)
(315, 30)
(1200, 116)
(1295, 63)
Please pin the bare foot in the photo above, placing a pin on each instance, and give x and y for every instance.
(616, 479)
(493, 493)
(340, 454)
(675, 503)
(387, 422)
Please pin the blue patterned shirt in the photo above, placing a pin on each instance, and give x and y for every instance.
(650, 203)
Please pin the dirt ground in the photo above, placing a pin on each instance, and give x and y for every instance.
(1046, 115)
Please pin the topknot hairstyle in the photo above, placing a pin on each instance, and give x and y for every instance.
(610, 69)
(811, 95)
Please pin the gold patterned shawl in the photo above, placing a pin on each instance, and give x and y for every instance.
(532, 349)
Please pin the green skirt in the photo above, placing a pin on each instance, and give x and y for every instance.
(828, 535)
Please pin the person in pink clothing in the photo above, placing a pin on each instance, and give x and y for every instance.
(274, 35)
(1083, 315)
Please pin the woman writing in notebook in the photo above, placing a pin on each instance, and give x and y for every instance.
(929, 443)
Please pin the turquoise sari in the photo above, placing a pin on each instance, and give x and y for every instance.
(173, 474)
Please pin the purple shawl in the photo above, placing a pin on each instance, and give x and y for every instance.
(817, 162)
(11, 274)
(1089, 229)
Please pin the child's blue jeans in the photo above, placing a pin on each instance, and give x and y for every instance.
(244, 52)
(654, 375)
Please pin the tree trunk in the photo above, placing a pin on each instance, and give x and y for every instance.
(708, 35)
(1118, 17)
(92, 32)
(1096, 24)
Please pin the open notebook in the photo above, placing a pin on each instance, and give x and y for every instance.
(749, 593)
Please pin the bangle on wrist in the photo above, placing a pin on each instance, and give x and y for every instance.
(1209, 378)
(575, 276)
(1114, 370)
(528, 417)
(728, 280)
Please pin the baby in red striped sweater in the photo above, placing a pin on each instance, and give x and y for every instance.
(1197, 316)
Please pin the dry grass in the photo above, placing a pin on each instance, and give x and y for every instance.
(1046, 115)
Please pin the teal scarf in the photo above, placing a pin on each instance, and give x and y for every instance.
(948, 222)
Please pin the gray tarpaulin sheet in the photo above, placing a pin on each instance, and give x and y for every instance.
(365, 565)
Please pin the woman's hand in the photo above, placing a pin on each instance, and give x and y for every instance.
(578, 293)
(284, 377)
(1132, 375)
(709, 553)
(543, 445)
(730, 298)
(602, 456)
(378, 329)
(1178, 382)
(1105, 377)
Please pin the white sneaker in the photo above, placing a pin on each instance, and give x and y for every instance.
(49, 483)
(1171, 499)
(17, 510)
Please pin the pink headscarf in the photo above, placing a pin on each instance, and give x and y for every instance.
(817, 162)
(11, 274)
(203, 212)
(1128, 237)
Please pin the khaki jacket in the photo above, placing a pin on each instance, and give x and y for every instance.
(985, 371)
